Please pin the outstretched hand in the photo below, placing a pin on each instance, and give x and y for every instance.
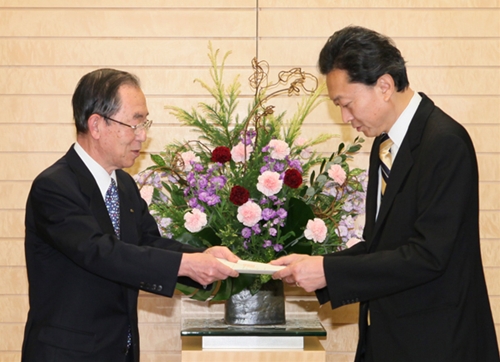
(304, 271)
(204, 268)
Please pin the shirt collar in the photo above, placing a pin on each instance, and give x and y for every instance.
(101, 176)
(400, 127)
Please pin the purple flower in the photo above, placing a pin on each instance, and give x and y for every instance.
(202, 182)
(193, 202)
(256, 229)
(278, 247)
(204, 196)
(279, 167)
(213, 200)
(282, 213)
(198, 167)
(191, 179)
(273, 232)
(268, 214)
(348, 206)
(247, 138)
(246, 232)
(295, 164)
(218, 181)
(267, 243)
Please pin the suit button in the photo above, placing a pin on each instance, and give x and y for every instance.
(153, 287)
(159, 288)
(141, 285)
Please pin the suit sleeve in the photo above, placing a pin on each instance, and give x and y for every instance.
(65, 219)
(357, 249)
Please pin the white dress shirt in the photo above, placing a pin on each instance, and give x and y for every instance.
(101, 176)
(397, 133)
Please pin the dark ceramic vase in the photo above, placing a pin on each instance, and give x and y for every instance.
(265, 307)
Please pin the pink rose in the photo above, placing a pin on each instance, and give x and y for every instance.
(337, 173)
(187, 157)
(279, 149)
(315, 230)
(195, 220)
(238, 152)
(249, 213)
(269, 183)
(147, 193)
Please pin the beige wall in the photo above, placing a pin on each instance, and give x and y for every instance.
(452, 48)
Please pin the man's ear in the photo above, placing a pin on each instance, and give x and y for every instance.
(386, 85)
(94, 123)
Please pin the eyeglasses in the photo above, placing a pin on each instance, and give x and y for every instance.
(146, 125)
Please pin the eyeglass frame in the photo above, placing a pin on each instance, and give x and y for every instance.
(146, 125)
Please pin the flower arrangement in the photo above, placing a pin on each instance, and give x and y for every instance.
(242, 183)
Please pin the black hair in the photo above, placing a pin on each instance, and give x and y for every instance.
(365, 55)
(97, 93)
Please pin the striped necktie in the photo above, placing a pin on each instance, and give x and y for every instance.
(385, 159)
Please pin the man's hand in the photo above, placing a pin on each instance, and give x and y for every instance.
(302, 270)
(222, 252)
(204, 268)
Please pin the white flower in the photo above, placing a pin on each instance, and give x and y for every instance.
(238, 152)
(316, 230)
(269, 183)
(249, 213)
(279, 149)
(195, 220)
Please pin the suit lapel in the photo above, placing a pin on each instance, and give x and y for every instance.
(90, 190)
(400, 169)
(371, 195)
(127, 210)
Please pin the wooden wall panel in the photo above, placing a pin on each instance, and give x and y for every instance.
(395, 22)
(369, 4)
(416, 51)
(452, 48)
(133, 23)
(121, 52)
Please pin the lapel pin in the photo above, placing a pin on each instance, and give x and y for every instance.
(131, 210)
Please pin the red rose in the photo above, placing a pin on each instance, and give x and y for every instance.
(239, 195)
(221, 154)
(293, 178)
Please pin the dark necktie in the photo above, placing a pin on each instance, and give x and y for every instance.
(113, 205)
(385, 159)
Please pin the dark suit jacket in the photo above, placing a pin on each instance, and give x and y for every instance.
(83, 281)
(419, 270)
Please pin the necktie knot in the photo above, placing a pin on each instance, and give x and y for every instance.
(385, 159)
(113, 205)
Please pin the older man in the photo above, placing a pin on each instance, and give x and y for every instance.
(91, 243)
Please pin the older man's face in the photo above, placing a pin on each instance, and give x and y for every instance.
(120, 145)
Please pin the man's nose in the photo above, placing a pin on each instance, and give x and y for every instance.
(346, 115)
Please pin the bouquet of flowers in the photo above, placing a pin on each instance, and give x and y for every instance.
(242, 182)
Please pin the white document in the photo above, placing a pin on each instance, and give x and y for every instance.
(252, 267)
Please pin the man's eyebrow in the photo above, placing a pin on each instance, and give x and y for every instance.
(336, 99)
(140, 115)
